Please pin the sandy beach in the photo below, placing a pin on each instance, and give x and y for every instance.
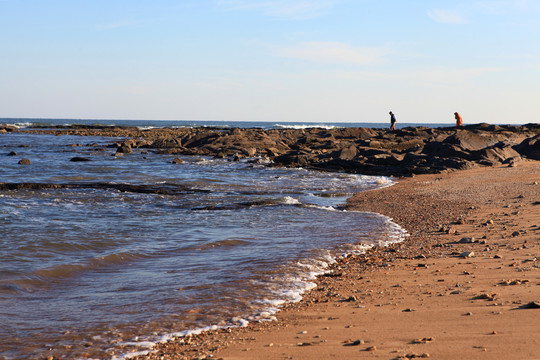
(466, 283)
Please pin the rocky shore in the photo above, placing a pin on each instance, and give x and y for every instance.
(465, 283)
(403, 152)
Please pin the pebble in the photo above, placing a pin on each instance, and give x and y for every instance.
(467, 254)
(467, 240)
(354, 343)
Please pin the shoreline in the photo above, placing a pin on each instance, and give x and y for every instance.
(417, 298)
(483, 200)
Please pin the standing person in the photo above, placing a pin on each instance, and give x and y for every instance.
(392, 121)
(459, 120)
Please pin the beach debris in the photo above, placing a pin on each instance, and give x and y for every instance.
(332, 274)
(513, 282)
(532, 305)
(467, 254)
(447, 229)
(489, 297)
(353, 343)
(415, 356)
(422, 340)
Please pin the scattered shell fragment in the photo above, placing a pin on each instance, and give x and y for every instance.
(489, 297)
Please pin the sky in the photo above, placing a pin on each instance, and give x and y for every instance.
(271, 60)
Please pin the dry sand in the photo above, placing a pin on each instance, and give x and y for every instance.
(420, 298)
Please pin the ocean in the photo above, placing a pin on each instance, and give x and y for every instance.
(104, 272)
(146, 124)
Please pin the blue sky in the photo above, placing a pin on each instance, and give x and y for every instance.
(271, 60)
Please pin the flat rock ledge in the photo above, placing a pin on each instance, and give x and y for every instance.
(404, 152)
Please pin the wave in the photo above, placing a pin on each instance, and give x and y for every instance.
(248, 204)
(223, 243)
(304, 126)
(46, 277)
(283, 289)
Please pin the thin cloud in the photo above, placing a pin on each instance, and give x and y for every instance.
(447, 16)
(468, 10)
(334, 53)
(291, 9)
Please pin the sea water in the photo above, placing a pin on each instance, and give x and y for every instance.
(100, 272)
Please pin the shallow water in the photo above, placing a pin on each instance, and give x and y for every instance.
(96, 271)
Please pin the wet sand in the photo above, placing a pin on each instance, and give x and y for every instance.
(466, 283)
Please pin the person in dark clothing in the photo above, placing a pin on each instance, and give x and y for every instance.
(392, 121)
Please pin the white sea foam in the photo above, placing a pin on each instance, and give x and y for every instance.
(289, 200)
(291, 291)
(306, 126)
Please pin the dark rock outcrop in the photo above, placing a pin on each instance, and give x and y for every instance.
(529, 148)
(163, 189)
(408, 151)
(79, 159)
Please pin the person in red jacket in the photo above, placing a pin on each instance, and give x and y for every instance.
(459, 120)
